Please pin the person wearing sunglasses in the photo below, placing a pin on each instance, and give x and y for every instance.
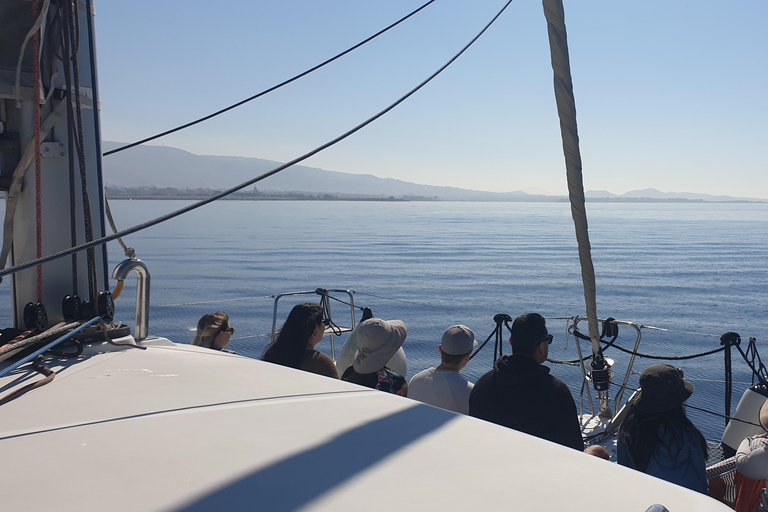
(214, 331)
(521, 394)
(295, 344)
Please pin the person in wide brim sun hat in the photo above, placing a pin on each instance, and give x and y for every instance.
(377, 341)
(662, 388)
(656, 437)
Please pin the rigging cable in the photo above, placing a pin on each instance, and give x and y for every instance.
(245, 184)
(129, 252)
(325, 304)
(97, 137)
(267, 91)
(324, 293)
(74, 33)
(501, 319)
(38, 162)
(66, 62)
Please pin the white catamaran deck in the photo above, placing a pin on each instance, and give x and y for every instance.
(179, 427)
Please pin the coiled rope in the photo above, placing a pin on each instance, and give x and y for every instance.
(48, 377)
(47, 334)
(73, 328)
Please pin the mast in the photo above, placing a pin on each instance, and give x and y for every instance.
(50, 163)
(566, 110)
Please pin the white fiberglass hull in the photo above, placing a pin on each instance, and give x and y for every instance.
(180, 427)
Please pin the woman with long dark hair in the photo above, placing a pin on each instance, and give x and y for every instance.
(656, 437)
(295, 343)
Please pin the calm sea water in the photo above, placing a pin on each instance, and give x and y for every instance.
(690, 268)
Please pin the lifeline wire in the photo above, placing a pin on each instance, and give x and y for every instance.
(266, 91)
(212, 301)
(688, 406)
(639, 354)
(423, 304)
(331, 297)
(236, 188)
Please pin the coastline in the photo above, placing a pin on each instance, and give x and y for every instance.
(330, 197)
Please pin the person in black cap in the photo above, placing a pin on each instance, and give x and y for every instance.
(520, 393)
(656, 437)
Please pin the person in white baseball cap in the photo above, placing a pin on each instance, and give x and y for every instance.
(377, 341)
(444, 386)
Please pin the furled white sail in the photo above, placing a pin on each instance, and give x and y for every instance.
(566, 110)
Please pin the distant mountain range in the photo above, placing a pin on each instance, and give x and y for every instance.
(162, 167)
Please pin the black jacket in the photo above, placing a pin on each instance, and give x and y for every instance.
(520, 393)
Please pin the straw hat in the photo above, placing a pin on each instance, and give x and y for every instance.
(377, 341)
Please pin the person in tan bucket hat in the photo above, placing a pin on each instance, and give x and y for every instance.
(377, 342)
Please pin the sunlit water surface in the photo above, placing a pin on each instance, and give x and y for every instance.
(686, 267)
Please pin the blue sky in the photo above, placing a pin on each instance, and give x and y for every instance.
(670, 94)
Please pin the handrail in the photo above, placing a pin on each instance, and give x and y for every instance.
(142, 292)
